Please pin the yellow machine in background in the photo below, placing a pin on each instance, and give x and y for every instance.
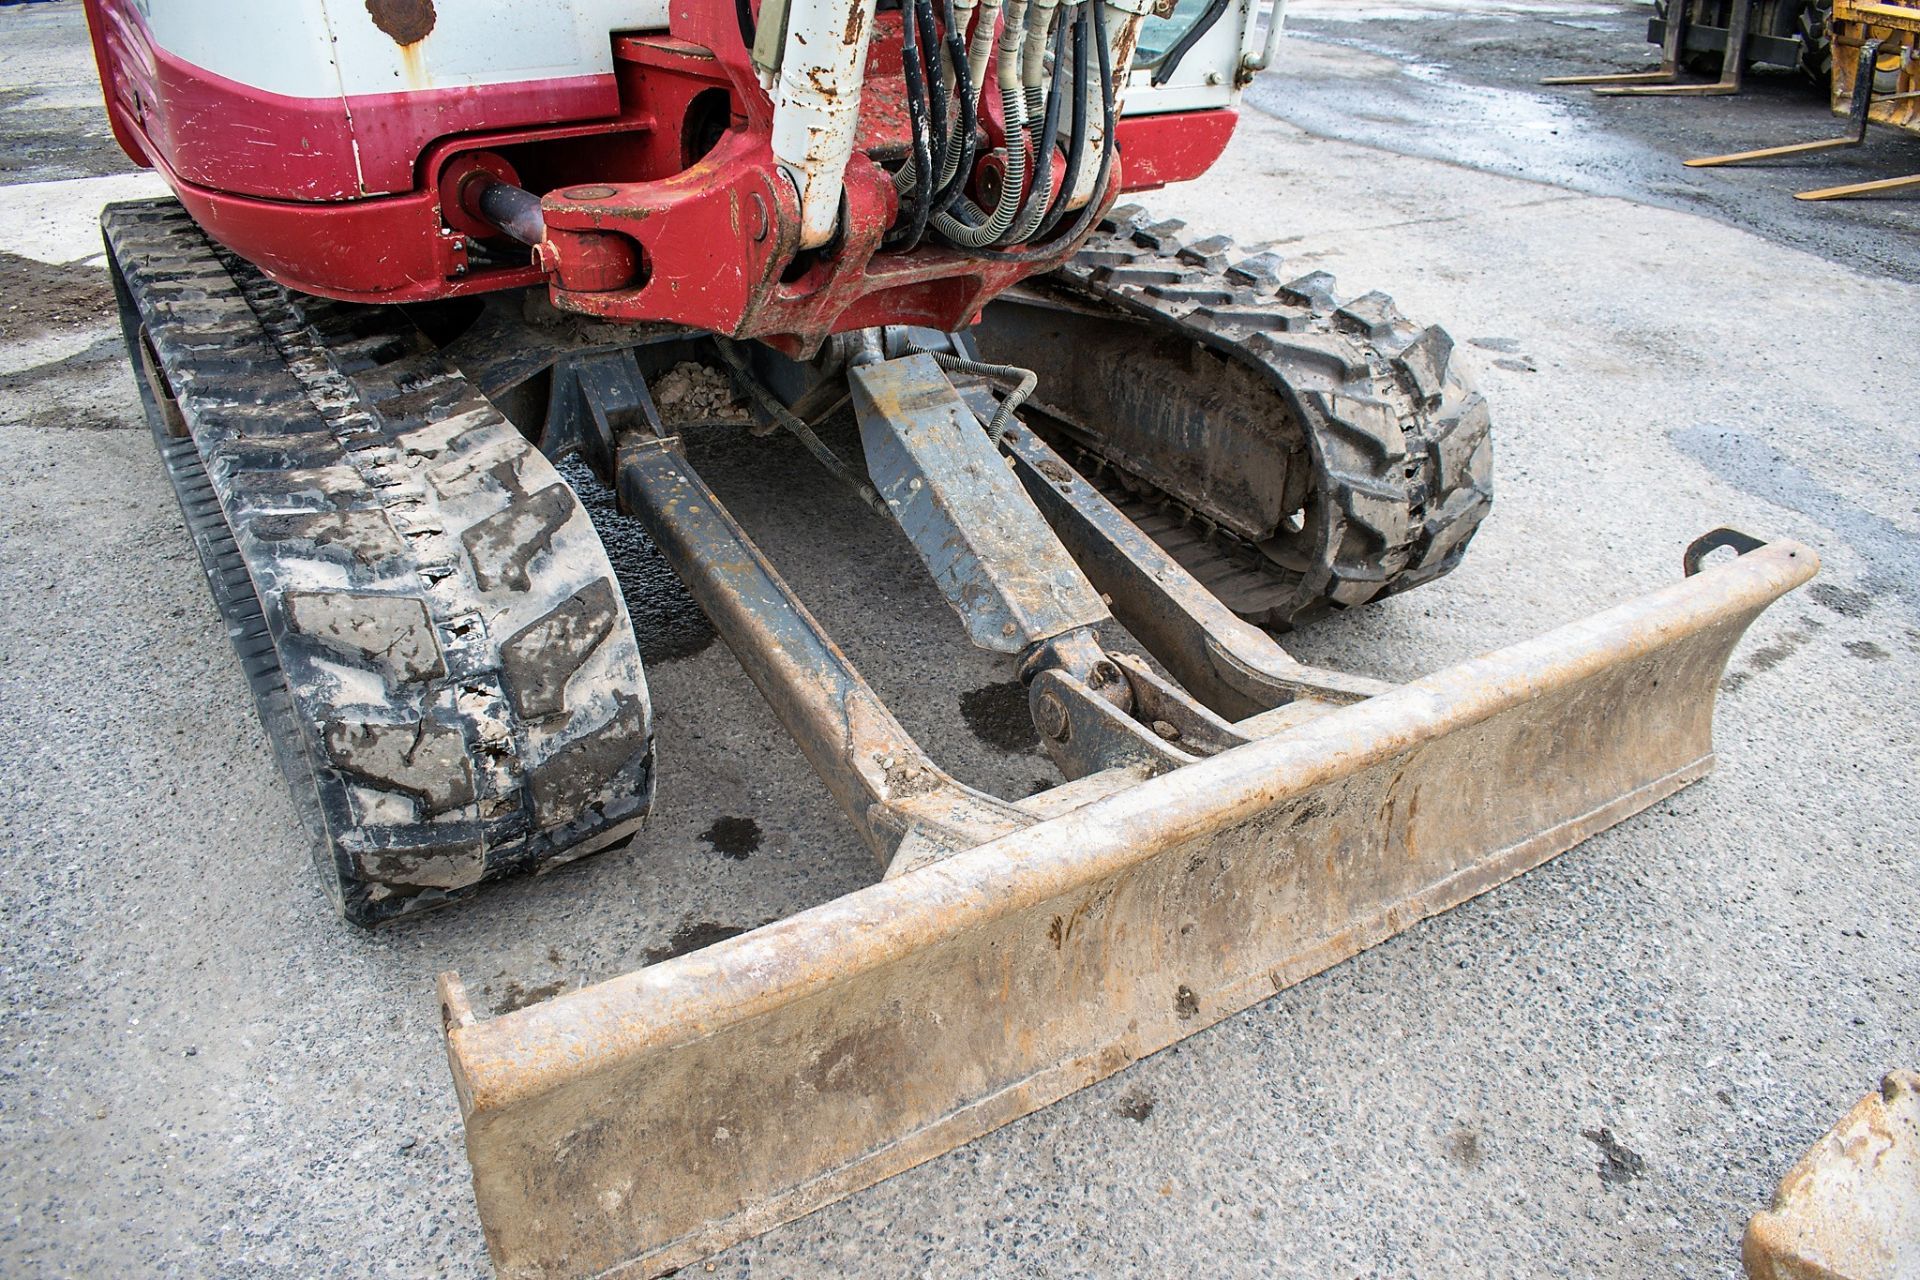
(1895, 87)
(1876, 78)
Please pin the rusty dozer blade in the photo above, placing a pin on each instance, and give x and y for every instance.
(637, 1125)
(1233, 821)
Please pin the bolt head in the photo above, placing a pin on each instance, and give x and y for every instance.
(1050, 716)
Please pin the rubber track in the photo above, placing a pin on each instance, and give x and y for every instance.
(1400, 444)
(439, 648)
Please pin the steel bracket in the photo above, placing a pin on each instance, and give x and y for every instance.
(995, 559)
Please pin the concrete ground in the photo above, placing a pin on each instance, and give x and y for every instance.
(1600, 1069)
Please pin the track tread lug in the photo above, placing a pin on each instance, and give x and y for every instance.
(1262, 271)
(1315, 289)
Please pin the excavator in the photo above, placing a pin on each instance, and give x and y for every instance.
(399, 326)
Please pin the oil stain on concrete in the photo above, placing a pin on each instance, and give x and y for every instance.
(692, 936)
(734, 838)
(998, 716)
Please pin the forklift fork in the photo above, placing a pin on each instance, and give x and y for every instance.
(1672, 42)
(1732, 63)
(1673, 45)
(1858, 108)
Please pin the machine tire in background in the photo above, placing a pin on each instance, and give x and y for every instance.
(1815, 24)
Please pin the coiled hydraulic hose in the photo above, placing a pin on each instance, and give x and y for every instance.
(1033, 64)
(1030, 204)
(1023, 380)
(1103, 177)
(966, 224)
(1040, 194)
(980, 52)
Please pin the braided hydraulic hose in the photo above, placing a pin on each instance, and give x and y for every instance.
(1103, 178)
(917, 204)
(1024, 380)
(1040, 193)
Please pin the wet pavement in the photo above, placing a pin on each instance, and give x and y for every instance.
(1459, 82)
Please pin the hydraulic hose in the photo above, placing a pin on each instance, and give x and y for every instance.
(959, 169)
(1033, 62)
(971, 227)
(801, 430)
(1040, 191)
(966, 224)
(1103, 177)
(1077, 139)
(917, 202)
(981, 50)
(955, 158)
(1024, 380)
(932, 68)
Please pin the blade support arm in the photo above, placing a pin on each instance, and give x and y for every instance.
(1230, 665)
(888, 786)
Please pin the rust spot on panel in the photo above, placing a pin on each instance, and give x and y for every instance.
(404, 22)
(851, 1061)
(856, 23)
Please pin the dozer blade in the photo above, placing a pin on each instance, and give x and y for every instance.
(637, 1125)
